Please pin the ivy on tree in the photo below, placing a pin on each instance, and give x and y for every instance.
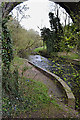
(7, 52)
(52, 37)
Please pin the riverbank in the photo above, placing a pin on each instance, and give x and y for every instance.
(68, 57)
(34, 86)
(62, 111)
(65, 70)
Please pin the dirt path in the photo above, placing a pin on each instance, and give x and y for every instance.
(33, 73)
(53, 90)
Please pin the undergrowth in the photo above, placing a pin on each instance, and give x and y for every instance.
(70, 55)
(32, 96)
(29, 96)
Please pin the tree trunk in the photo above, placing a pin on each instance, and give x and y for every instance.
(7, 7)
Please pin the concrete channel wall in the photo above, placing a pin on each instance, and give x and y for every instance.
(70, 99)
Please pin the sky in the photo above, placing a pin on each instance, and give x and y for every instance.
(38, 14)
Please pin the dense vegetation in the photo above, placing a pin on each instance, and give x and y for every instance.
(63, 42)
(31, 97)
(7, 55)
(59, 38)
(52, 37)
(18, 98)
(20, 94)
(24, 42)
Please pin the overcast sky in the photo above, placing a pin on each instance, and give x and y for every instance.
(38, 11)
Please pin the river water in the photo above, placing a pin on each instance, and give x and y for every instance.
(68, 72)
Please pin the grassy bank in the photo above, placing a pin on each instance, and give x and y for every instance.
(32, 99)
(31, 96)
(39, 49)
(69, 55)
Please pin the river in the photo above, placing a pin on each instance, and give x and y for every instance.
(67, 71)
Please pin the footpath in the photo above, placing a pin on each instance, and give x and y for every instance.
(53, 91)
(34, 74)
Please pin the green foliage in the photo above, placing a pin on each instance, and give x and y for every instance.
(65, 38)
(71, 75)
(57, 31)
(47, 39)
(10, 81)
(7, 52)
(71, 38)
(52, 38)
(70, 55)
(39, 49)
(33, 97)
(24, 94)
(16, 62)
(24, 41)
